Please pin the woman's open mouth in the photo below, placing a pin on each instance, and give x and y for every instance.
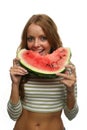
(40, 51)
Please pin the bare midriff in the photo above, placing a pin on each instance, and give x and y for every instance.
(39, 121)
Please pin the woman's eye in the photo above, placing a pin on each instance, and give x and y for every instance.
(30, 39)
(43, 38)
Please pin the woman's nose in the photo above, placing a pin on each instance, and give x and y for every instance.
(36, 42)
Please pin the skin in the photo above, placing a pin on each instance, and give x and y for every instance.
(37, 41)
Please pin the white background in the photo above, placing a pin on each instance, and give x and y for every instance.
(71, 19)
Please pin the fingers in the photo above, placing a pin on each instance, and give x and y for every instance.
(71, 69)
(16, 62)
(70, 72)
(69, 75)
(18, 70)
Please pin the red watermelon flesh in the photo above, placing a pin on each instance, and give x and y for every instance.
(48, 64)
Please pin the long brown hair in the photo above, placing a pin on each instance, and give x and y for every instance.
(51, 32)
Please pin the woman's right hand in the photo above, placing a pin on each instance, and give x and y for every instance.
(16, 72)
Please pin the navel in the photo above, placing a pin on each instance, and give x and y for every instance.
(38, 124)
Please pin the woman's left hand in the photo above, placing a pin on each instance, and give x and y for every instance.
(69, 76)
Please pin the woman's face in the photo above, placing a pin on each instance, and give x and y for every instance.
(37, 40)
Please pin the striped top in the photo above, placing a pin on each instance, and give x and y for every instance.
(43, 95)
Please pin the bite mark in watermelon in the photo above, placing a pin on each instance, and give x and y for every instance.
(47, 65)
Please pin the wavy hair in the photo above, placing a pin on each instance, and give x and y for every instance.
(51, 32)
(49, 28)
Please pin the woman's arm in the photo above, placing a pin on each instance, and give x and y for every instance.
(71, 107)
(14, 110)
(14, 106)
(69, 80)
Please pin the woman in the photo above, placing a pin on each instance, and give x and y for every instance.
(37, 103)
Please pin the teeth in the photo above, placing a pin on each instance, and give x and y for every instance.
(39, 51)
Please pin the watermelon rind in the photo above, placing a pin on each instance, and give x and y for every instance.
(42, 73)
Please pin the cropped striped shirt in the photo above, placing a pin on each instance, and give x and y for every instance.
(43, 95)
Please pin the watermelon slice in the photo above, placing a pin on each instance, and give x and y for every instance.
(47, 65)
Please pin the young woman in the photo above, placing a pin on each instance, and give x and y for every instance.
(37, 103)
